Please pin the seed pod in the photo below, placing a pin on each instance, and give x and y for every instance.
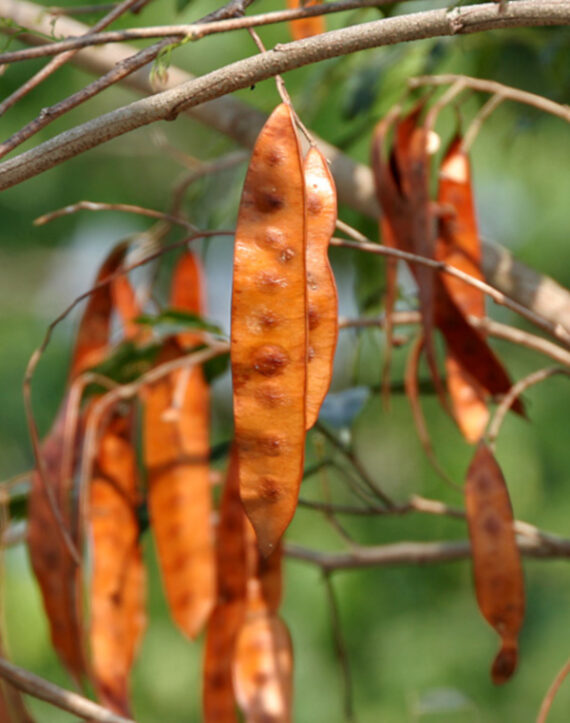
(262, 671)
(322, 298)
(499, 583)
(177, 451)
(269, 330)
(118, 617)
(219, 703)
(305, 27)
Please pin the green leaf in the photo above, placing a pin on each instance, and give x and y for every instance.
(176, 321)
(181, 5)
(126, 363)
(216, 367)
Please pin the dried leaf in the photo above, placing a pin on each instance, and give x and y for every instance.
(269, 334)
(497, 569)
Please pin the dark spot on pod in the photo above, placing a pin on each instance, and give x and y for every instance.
(286, 255)
(314, 204)
(483, 483)
(492, 525)
(269, 360)
(268, 201)
(270, 396)
(274, 157)
(269, 489)
(314, 317)
(260, 679)
(262, 445)
(263, 320)
(268, 281)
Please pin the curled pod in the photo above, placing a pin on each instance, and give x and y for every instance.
(269, 330)
(499, 583)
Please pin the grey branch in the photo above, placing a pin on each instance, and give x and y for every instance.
(419, 553)
(238, 121)
(65, 699)
(244, 73)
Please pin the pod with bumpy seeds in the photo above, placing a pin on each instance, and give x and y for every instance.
(497, 569)
(269, 330)
(322, 298)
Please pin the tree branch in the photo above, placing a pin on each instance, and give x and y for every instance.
(355, 185)
(418, 553)
(244, 73)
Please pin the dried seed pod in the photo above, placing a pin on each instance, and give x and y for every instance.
(219, 705)
(305, 27)
(459, 246)
(499, 583)
(118, 616)
(269, 330)
(322, 298)
(262, 670)
(177, 452)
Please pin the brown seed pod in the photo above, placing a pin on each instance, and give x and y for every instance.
(322, 298)
(499, 583)
(269, 330)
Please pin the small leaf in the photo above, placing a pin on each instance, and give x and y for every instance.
(176, 321)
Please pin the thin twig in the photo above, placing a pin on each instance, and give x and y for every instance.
(340, 648)
(124, 207)
(486, 325)
(56, 63)
(551, 692)
(66, 700)
(193, 31)
(355, 462)
(506, 92)
(477, 122)
(416, 553)
(514, 392)
(363, 244)
(121, 70)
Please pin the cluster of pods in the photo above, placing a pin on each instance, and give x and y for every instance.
(221, 563)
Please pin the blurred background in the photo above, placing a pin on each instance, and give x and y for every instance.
(417, 647)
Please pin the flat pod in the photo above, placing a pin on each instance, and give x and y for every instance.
(177, 452)
(322, 297)
(226, 620)
(118, 616)
(305, 27)
(499, 583)
(262, 670)
(57, 573)
(269, 330)
(459, 246)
